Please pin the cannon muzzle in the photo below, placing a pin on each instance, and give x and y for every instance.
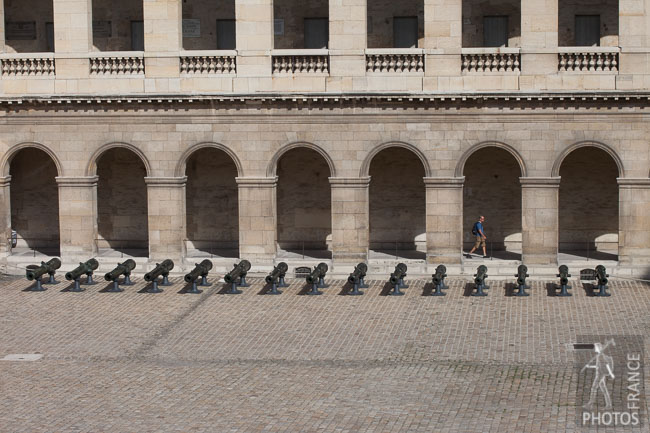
(522, 274)
(319, 272)
(277, 272)
(46, 268)
(564, 274)
(86, 268)
(398, 274)
(239, 270)
(440, 275)
(358, 273)
(161, 269)
(200, 270)
(481, 275)
(121, 269)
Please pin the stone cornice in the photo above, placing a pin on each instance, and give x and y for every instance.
(76, 181)
(444, 182)
(540, 182)
(257, 182)
(5, 181)
(349, 182)
(634, 183)
(165, 182)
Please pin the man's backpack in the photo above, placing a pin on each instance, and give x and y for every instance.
(475, 229)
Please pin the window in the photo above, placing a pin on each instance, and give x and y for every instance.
(405, 32)
(587, 30)
(316, 33)
(495, 31)
(226, 37)
(137, 36)
(49, 36)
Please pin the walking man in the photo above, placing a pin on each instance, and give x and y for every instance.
(479, 232)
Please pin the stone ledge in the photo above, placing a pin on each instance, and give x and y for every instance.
(257, 182)
(72, 182)
(347, 182)
(165, 181)
(634, 183)
(444, 182)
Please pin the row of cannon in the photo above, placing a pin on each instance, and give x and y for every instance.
(236, 278)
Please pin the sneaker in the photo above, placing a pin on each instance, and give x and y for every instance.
(468, 256)
(486, 257)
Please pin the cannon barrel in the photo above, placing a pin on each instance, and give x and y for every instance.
(84, 268)
(601, 275)
(239, 270)
(441, 274)
(319, 272)
(200, 270)
(522, 273)
(45, 268)
(399, 273)
(358, 273)
(121, 269)
(481, 274)
(160, 269)
(564, 274)
(277, 272)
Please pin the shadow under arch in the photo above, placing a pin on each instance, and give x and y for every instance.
(13, 150)
(91, 168)
(555, 172)
(365, 166)
(460, 167)
(273, 163)
(182, 162)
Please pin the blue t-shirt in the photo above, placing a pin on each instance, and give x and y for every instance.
(479, 228)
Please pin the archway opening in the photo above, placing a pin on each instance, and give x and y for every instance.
(304, 205)
(122, 208)
(492, 189)
(588, 205)
(397, 205)
(211, 203)
(34, 197)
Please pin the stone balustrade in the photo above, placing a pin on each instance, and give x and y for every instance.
(588, 59)
(395, 60)
(27, 66)
(490, 60)
(300, 62)
(210, 62)
(128, 63)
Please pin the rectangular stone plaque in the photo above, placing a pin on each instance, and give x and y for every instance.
(102, 29)
(21, 31)
(191, 28)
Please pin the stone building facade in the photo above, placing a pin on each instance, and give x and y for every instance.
(359, 150)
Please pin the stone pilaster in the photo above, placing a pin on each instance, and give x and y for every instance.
(443, 38)
(254, 37)
(2, 26)
(78, 216)
(633, 38)
(73, 34)
(166, 204)
(350, 213)
(163, 37)
(633, 211)
(540, 219)
(5, 215)
(347, 39)
(539, 28)
(444, 223)
(257, 218)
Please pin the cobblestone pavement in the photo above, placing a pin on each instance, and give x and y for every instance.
(127, 362)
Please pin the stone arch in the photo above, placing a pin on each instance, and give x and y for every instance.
(91, 169)
(273, 164)
(9, 155)
(460, 167)
(555, 172)
(182, 162)
(365, 166)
